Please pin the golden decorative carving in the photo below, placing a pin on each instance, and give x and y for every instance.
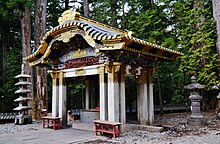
(110, 77)
(61, 75)
(116, 66)
(108, 67)
(113, 77)
(68, 15)
(55, 82)
(130, 33)
(113, 46)
(89, 40)
(54, 75)
(101, 71)
(65, 37)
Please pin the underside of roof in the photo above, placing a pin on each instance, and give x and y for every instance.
(78, 32)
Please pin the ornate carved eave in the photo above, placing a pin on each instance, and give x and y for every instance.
(99, 36)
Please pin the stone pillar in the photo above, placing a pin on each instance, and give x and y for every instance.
(87, 94)
(151, 98)
(113, 92)
(196, 118)
(122, 99)
(55, 95)
(102, 94)
(142, 99)
(62, 100)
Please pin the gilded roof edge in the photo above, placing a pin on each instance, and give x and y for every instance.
(96, 30)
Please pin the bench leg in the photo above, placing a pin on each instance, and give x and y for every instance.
(58, 124)
(95, 128)
(48, 122)
(54, 124)
(118, 131)
(114, 132)
(43, 123)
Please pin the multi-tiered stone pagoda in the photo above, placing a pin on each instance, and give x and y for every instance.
(23, 117)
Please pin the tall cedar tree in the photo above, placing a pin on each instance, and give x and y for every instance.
(196, 36)
(41, 95)
(216, 15)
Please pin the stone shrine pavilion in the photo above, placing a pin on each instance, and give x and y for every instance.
(80, 46)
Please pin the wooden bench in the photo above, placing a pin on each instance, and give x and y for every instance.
(51, 121)
(107, 127)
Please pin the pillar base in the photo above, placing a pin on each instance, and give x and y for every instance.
(23, 119)
(196, 121)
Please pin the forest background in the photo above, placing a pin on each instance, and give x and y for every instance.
(187, 26)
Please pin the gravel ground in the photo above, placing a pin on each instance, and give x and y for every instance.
(176, 131)
(13, 129)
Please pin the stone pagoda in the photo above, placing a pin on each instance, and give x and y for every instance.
(196, 118)
(23, 117)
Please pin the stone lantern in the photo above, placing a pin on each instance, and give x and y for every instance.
(196, 118)
(23, 117)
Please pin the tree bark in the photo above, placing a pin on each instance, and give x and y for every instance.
(4, 56)
(159, 91)
(216, 15)
(41, 96)
(86, 8)
(26, 39)
(66, 4)
(114, 13)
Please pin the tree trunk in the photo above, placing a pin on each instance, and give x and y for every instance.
(26, 40)
(216, 15)
(41, 96)
(4, 56)
(66, 5)
(159, 91)
(86, 8)
(114, 13)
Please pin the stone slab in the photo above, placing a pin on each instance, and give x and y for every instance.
(129, 127)
(83, 126)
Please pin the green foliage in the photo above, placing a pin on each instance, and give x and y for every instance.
(196, 37)
(75, 93)
(8, 89)
(10, 29)
(54, 10)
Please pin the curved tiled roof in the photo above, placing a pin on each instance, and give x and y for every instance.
(96, 31)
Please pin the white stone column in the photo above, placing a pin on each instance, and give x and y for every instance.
(55, 94)
(142, 98)
(87, 94)
(55, 98)
(113, 93)
(151, 98)
(140, 91)
(102, 94)
(62, 100)
(122, 99)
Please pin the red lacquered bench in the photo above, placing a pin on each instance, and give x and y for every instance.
(51, 121)
(107, 127)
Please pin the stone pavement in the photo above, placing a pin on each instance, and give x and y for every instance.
(50, 136)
